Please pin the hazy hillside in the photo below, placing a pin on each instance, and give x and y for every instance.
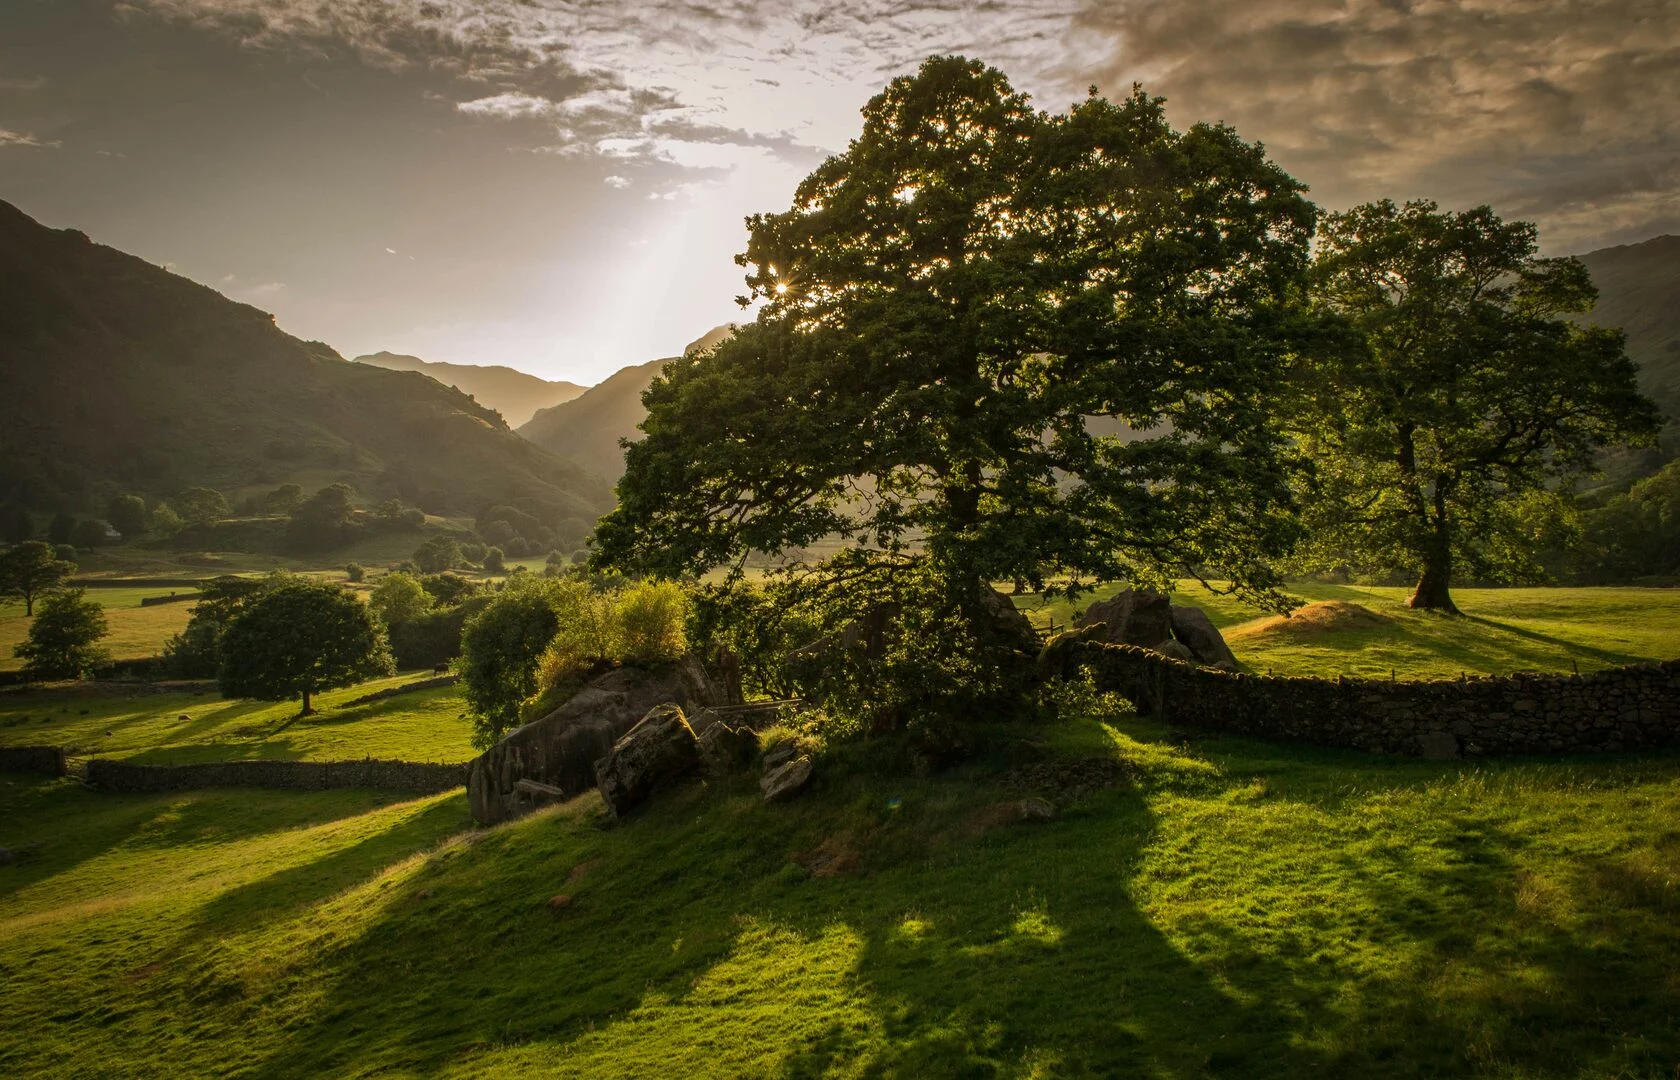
(514, 394)
(116, 375)
(586, 429)
(1639, 291)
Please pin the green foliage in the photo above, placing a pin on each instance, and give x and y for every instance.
(283, 500)
(200, 505)
(448, 589)
(128, 515)
(166, 522)
(355, 573)
(399, 597)
(1004, 343)
(493, 561)
(1455, 395)
(435, 637)
(29, 569)
(500, 647)
(88, 534)
(299, 638)
(16, 525)
(323, 521)
(439, 553)
(196, 652)
(66, 553)
(1635, 534)
(62, 639)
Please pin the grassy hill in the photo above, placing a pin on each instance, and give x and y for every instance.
(116, 375)
(586, 430)
(1639, 291)
(514, 394)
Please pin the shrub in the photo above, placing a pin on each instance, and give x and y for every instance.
(166, 522)
(437, 554)
(127, 514)
(435, 637)
(650, 617)
(355, 572)
(399, 598)
(500, 647)
(88, 534)
(493, 561)
(64, 552)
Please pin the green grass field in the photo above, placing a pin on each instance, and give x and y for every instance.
(136, 631)
(99, 721)
(1504, 630)
(1231, 909)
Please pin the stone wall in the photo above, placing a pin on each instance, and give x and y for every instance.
(414, 777)
(1625, 708)
(36, 759)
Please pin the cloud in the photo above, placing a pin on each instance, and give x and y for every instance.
(1562, 111)
(25, 139)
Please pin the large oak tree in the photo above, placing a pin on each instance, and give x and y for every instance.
(1460, 400)
(946, 307)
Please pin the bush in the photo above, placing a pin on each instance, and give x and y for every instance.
(493, 561)
(399, 598)
(65, 553)
(127, 514)
(62, 636)
(435, 637)
(355, 572)
(88, 534)
(196, 652)
(500, 647)
(166, 522)
(437, 554)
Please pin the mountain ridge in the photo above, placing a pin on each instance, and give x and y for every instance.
(514, 393)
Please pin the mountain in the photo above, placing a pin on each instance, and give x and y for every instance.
(586, 429)
(116, 375)
(514, 394)
(1639, 291)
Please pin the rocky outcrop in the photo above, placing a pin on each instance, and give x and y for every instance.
(1192, 627)
(1151, 621)
(659, 751)
(786, 780)
(1133, 617)
(560, 750)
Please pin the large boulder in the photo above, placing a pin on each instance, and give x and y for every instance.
(786, 780)
(1132, 617)
(560, 750)
(1193, 627)
(659, 751)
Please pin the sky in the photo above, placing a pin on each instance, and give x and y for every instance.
(559, 185)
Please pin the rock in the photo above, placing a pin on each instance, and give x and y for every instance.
(786, 781)
(724, 749)
(560, 902)
(1053, 658)
(1008, 624)
(1034, 810)
(1193, 627)
(780, 754)
(1133, 617)
(561, 749)
(1174, 649)
(1439, 745)
(654, 754)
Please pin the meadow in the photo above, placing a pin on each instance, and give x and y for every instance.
(1203, 905)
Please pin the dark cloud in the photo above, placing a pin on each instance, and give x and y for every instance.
(1558, 110)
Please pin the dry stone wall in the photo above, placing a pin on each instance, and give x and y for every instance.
(33, 759)
(1624, 708)
(415, 777)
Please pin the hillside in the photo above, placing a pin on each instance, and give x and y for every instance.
(586, 430)
(514, 394)
(116, 375)
(1639, 291)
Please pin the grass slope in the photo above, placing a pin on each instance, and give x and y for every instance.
(97, 720)
(116, 375)
(1638, 286)
(1504, 630)
(1232, 909)
(135, 631)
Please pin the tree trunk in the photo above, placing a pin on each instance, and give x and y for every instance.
(1433, 592)
(29, 605)
(306, 709)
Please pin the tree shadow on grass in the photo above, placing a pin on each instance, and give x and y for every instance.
(1606, 656)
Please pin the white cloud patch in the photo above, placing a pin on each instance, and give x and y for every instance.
(26, 140)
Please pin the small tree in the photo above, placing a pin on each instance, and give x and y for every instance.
(166, 522)
(399, 598)
(201, 505)
(323, 520)
(196, 652)
(61, 641)
(283, 499)
(1462, 397)
(301, 638)
(88, 534)
(500, 647)
(127, 514)
(494, 561)
(355, 573)
(437, 554)
(29, 569)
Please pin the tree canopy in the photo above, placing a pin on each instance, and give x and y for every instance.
(29, 569)
(998, 342)
(1460, 397)
(299, 638)
(62, 640)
